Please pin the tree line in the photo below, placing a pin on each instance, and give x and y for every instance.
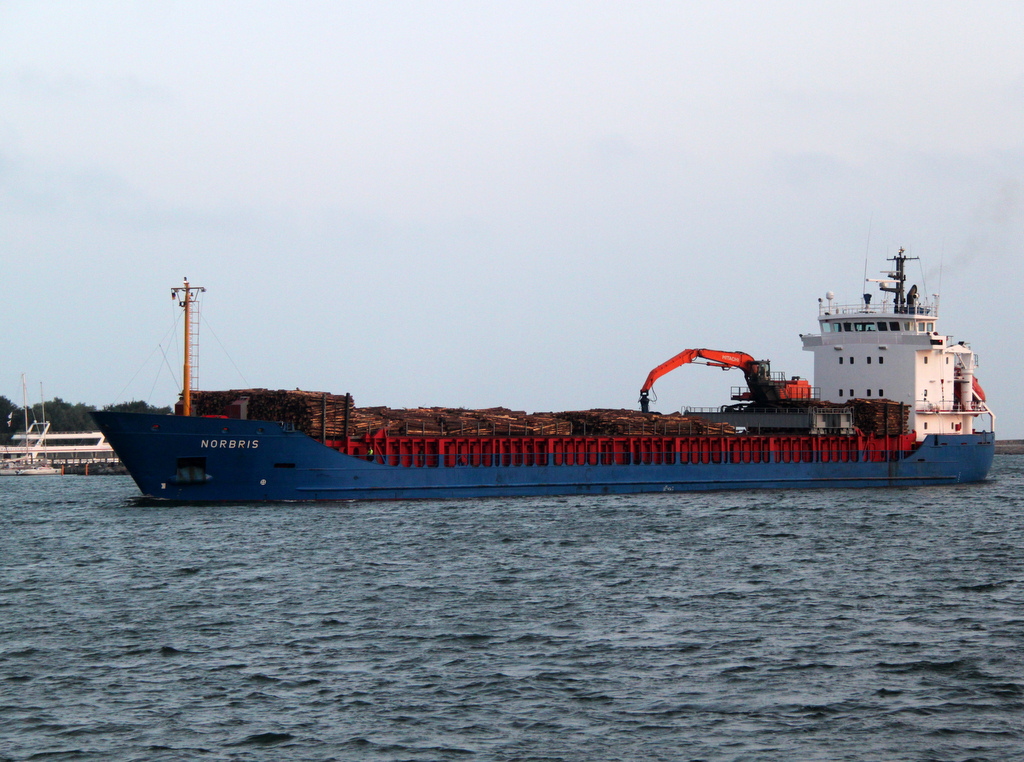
(63, 416)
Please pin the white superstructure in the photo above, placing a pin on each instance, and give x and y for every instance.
(894, 350)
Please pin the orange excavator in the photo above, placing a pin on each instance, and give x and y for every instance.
(763, 388)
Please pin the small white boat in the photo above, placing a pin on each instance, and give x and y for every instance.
(31, 458)
(41, 470)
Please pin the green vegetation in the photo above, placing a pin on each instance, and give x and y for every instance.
(63, 416)
(138, 406)
(8, 412)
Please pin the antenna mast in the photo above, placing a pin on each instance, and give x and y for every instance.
(187, 296)
(904, 301)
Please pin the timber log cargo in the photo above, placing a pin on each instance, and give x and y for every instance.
(332, 416)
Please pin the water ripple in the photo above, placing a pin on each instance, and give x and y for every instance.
(810, 625)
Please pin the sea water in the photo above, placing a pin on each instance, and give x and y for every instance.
(881, 624)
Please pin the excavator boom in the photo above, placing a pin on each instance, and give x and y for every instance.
(711, 357)
(763, 389)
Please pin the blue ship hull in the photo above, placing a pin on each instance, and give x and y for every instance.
(197, 459)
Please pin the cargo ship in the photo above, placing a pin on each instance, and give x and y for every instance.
(902, 407)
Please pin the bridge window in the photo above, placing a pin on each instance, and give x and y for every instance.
(894, 325)
(883, 326)
(847, 327)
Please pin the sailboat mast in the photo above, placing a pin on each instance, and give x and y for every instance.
(187, 296)
(24, 407)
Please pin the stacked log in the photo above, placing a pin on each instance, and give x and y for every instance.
(321, 414)
(307, 411)
(871, 416)
(880, 416)
(604, 422)
(438, 421)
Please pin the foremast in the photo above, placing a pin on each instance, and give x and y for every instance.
(187, 297)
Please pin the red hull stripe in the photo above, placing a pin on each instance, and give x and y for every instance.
(426, 451)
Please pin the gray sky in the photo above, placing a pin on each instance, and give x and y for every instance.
(475, 204)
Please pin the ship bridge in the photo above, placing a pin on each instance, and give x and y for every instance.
(894, 350)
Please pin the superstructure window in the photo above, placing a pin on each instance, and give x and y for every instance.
(881, 393)
(881, 360)
(851, 360)
(883, 326)
(869, 361)
(894, 325)
(840, 360)
(847, 327)
(869, 393)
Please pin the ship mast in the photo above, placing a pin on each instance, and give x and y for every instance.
(187, 296)
(900, 277)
